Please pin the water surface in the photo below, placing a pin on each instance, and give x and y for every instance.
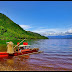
(57, 55)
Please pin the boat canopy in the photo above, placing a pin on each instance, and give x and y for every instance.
(23, 45)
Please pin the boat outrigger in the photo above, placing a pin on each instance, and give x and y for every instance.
(21, 49)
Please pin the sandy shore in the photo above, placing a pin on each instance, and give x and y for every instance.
(6, 68)
(12, 68)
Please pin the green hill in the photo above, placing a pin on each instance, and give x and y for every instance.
(11, 30)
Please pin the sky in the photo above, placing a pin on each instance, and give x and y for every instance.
(47, 18)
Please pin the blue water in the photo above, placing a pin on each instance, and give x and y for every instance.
(57, 46)
(57, 55)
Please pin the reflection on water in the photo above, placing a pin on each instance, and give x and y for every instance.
(57, 55)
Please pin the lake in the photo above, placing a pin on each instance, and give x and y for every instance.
(57, 56)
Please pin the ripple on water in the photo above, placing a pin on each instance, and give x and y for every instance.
(57, 55)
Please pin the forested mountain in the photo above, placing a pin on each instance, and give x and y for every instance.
(11, 30)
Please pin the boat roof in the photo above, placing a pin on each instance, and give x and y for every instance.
(23, 45)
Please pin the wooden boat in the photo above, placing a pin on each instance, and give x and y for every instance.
(25, 49)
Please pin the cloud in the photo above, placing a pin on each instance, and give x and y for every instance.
(44, 30)
(52, 32)
(25, 26)
(68, 31)
(48, 32)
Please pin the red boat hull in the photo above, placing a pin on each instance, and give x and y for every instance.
(5, 54)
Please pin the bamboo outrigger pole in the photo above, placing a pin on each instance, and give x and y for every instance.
(19, 43)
